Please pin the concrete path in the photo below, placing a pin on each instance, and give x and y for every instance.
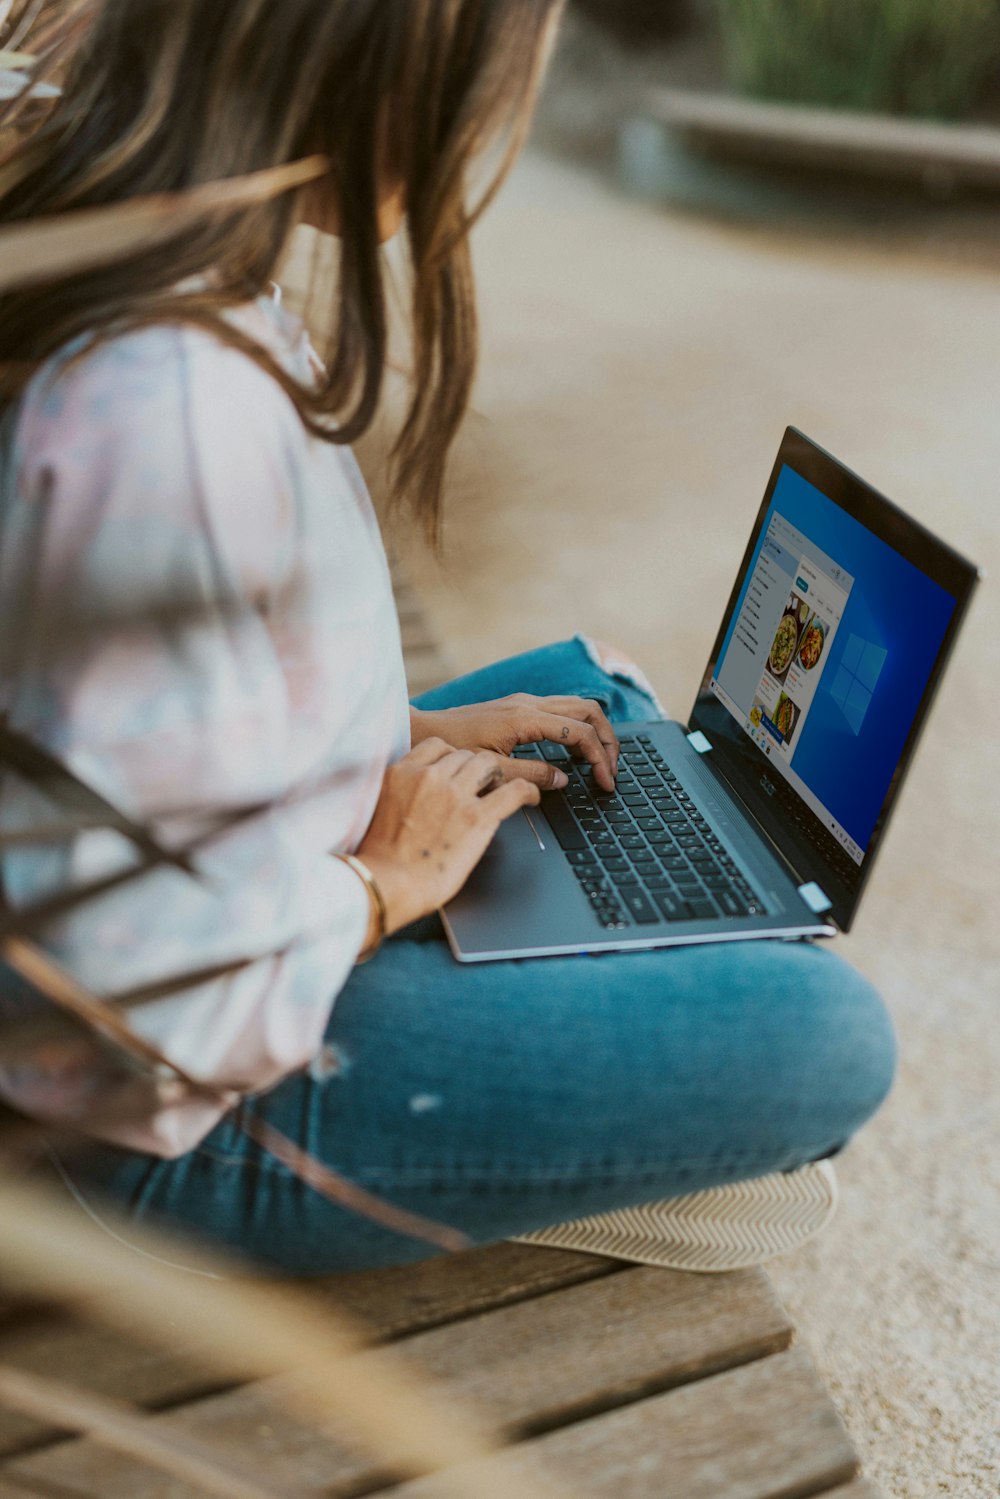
(638, 372)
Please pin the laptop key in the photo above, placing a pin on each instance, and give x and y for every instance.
(702, 910)
(673, 908)
(562, 822)
(638, 904)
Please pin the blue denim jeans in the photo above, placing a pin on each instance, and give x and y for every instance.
(503, 1097)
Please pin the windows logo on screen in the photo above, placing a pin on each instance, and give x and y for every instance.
(857, 677)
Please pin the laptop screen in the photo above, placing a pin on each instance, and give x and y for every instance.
(826, 658)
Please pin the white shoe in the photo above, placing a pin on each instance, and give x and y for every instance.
(723, 1228)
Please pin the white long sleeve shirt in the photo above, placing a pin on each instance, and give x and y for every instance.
(196, 617)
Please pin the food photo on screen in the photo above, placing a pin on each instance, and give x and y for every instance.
(811, 644)
(786, 716)
(786, 637)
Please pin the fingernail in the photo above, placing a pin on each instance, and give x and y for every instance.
(560, 779)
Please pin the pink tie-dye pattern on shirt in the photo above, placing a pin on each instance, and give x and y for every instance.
(196, 616)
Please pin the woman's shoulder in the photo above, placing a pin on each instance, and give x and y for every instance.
(148, 385)
(166, 439)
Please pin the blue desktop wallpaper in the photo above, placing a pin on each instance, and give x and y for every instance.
(881, 658)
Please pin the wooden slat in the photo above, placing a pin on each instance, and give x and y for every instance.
(765, 1431)
(287, 1456)
(411, 1298)
(97, 1359)
(418, 682)
(541, 1364)
(416, 635)
(11, 1489)
(529, 1366)
(408, 606)
(425, 668)
(392, 1303)
(426, 663)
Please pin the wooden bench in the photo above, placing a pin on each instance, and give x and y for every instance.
(943, 157)
(630, 1383)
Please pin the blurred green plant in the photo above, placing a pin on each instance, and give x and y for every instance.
(916, 57)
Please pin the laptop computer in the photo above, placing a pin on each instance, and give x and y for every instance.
(763, 814)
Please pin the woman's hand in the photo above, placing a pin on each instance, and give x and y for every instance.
(576, 722)
(435, 818)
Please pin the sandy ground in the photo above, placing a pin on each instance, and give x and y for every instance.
(639, 369)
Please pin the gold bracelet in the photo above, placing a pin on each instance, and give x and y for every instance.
(376, 899)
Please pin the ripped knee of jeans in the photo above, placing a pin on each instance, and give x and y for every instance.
(620, 667)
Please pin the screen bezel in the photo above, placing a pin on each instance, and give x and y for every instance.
(741, 762)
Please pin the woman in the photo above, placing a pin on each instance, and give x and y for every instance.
(197, 621)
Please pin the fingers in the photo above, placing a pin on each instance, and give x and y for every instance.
(583, 738)
(429, 752)
(481, 772)
(591, 712)
(511, 797)
(478, 774)
(538, 772)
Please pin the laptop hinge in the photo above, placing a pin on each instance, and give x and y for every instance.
(699, 742)
(815, 897)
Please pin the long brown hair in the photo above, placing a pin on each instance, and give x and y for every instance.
(163, 95)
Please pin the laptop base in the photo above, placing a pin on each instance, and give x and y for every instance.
(525, 898)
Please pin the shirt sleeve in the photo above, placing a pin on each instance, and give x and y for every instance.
(150, 564)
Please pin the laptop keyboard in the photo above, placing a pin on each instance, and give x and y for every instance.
(645, 853)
